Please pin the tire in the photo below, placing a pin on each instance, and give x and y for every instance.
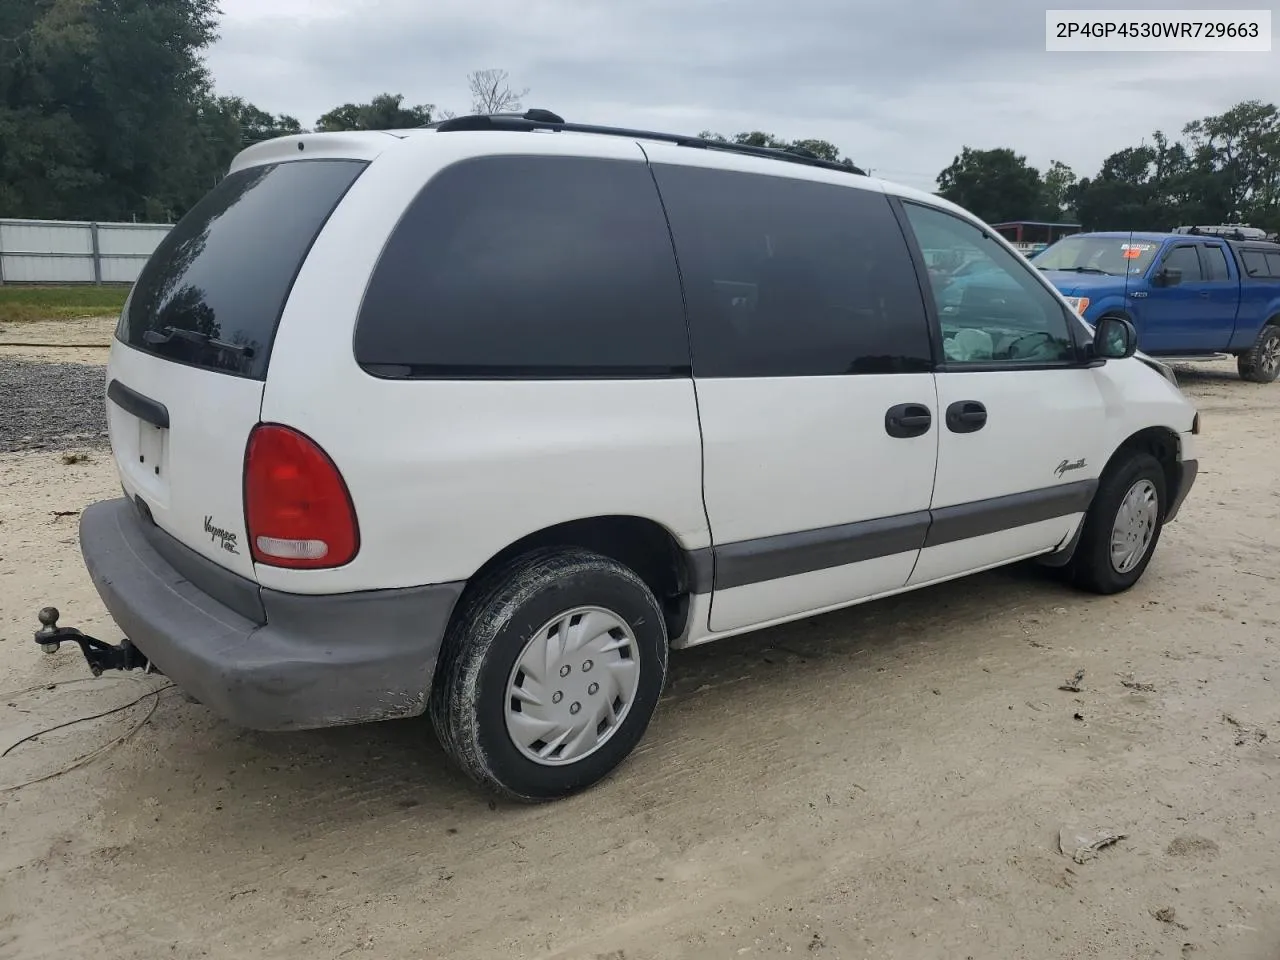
(1261, 363)
(481, 689)
(1094, 568)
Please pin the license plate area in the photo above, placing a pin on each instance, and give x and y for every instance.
(142, 454)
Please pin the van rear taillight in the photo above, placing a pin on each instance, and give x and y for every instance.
(296, 504)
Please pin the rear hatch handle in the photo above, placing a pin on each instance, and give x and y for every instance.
(144, 408)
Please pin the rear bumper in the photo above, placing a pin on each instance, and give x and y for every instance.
(304, 662)
(1187, 471)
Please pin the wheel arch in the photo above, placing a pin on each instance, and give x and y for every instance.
(1122, 312)
(670, 570)
(1163, 444)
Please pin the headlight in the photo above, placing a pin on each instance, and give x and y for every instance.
(1078, 304)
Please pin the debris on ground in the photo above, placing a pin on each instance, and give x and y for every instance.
(1073, 685)
(1169, 915)
(1192, 846)
(1129, 683)
(71, 459)
(1082, 845)
(1244, 732)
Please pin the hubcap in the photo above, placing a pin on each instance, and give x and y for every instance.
(1135, 526)
(572, 686)
(1271, 354)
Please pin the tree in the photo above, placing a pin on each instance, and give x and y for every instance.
(1056, 191)
(491, 92)
(995, 185)
(383, 112)
(258, 125)
(1240, 150)
(99, 106)
(822, 149)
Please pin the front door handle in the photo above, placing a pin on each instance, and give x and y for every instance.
(907, 420)
(1204, 294)
(966, 416)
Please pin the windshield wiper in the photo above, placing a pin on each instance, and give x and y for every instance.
(1077, 270)
(195, 336)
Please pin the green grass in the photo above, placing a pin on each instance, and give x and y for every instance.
(23, 303)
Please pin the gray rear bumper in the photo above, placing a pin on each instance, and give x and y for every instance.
(302, 662)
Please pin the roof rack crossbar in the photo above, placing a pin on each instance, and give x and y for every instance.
(546, 120)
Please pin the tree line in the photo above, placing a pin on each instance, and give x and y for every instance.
(108, 112)
(1223, 169)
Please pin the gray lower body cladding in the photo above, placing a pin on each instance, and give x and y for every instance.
(263, 659)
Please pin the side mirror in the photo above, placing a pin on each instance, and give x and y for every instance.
(1114, 339)
(1168, 277)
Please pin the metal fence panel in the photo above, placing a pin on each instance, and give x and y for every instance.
(57, 251)
(36, 268)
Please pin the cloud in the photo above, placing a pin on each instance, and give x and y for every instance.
(899, 87)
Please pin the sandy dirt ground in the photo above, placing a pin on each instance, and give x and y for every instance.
(885, 782)
(78, 340)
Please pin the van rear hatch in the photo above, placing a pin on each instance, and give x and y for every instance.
(189, 362)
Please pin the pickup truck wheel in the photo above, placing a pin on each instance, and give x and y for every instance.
(550, 674)
(1122, 527)
(1261, 364)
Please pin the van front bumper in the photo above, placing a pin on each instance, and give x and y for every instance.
(1186, 473)
(302, 662)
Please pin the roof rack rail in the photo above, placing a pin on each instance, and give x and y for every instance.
(1225, 231)
(546, 120)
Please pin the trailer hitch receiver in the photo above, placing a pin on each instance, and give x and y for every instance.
(99, 654)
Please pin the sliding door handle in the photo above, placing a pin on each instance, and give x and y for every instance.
(966, 416)
(907, 420)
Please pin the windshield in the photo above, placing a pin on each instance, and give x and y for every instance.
(1107, 255)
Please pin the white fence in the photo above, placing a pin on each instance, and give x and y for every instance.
(66, 251)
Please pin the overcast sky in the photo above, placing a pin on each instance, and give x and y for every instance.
(899, 86)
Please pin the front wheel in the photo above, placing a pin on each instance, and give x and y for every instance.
(550, 674)
(1122, 527)
(1261, 363)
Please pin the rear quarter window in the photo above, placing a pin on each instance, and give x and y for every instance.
(1254, 262)
(212, 293)
(528, 267)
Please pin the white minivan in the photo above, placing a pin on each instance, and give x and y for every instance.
(482, 419)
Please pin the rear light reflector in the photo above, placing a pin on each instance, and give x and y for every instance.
(292, 549)
(297, 507)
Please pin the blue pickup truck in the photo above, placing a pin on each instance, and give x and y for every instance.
(1190, 297)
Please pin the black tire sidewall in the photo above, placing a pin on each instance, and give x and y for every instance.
(599, 583)
(1249, 364)
(1100, 573)
(1270, 334)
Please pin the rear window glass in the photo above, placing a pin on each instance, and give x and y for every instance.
(212, 293)
(531, 267)
(1215, 263)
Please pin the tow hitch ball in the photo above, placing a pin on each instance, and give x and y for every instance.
(99, 654)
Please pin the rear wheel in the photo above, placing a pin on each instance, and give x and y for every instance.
(1261, 363)
(1122, 527)
(550, 674)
